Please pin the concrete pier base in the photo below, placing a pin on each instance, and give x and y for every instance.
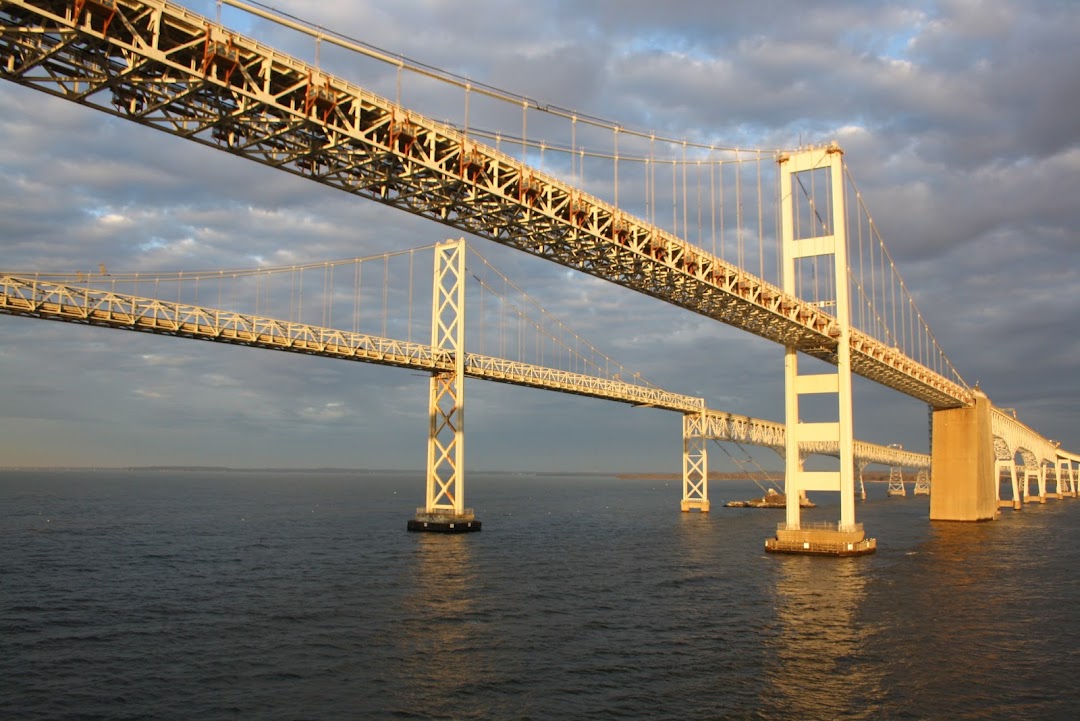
(443, 522)
(962, 464)
(821, 540)
(700, 504)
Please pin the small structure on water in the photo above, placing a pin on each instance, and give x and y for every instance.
(771, 499)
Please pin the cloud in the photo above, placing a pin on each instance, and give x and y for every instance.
(327, 413)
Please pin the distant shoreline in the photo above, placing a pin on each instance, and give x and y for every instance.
(769, 476)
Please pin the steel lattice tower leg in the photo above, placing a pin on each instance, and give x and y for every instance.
(922, 483)
(896, 481)
(444, 509)
(826, 241)
(695, 464)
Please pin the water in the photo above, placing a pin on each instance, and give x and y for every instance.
(169, 595)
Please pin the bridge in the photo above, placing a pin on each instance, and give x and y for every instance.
(99, 301)
(160, 65)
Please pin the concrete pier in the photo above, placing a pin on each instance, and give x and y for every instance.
(444, 522)
(821, 539)
(962, 464)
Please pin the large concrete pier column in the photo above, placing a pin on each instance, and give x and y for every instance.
(962, 464)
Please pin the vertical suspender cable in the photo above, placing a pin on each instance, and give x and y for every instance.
(573, 148)
(674, 201)
(385, 291)
(615, 139)
(738, 210)
(409, 333)
(300, 298)
(524, 129)
(778, 221)
(650, 181)
(862, 277)
(329, 297)
(483, 318)
(884, 289)
(814, 231)
(685, 199)
(700, 227)
(723, 248)
(401, 65)
(712, 200)
(760, 224)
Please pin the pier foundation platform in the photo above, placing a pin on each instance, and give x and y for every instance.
(821, 539)
(444, 522)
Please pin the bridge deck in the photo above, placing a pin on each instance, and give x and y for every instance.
(165, 67)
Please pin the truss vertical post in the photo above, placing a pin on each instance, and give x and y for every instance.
(827, 242)
(695, 464)
(444, 509)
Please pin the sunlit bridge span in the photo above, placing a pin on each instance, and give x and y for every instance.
(523, 334)
(582, 192)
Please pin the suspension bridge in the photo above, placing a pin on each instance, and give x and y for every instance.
(837, 295)
(535, 349)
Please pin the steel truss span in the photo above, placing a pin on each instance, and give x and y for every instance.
(163, 66)
(32, 298)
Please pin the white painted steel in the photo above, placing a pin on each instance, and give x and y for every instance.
(445, 488)
(695, 464)
(833, 247)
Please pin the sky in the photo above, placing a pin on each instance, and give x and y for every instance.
(958, 119)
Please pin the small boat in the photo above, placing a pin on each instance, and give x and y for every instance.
(771, 499)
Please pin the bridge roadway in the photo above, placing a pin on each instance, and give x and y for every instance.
(46, 300)
(163, 66)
